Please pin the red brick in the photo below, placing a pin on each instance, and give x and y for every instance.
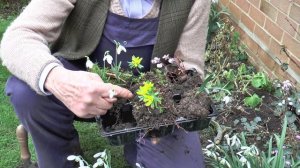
(297, 2)
(235, 11)
(248, 22)
(243, 4)
(268, 9)
(273, 29)
(275, 48)
(291, 44)
(262, 35)
(298, 33)
(295, 59)
(294, 66)
(257, 15)
(256, 3)
(252, 45)
(282, 75)
(225, 2)
(283, 5)
(267, 60)
(287, 24)
(295, 13)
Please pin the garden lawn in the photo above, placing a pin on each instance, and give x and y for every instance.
(91, 142)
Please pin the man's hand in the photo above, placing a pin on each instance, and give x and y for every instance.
(84, 93)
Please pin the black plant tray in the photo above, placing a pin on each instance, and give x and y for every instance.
(128, 135)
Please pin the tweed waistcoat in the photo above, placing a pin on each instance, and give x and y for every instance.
(83, 28)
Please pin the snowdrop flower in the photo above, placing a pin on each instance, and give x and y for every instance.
(283, 102)
(155, 60)
(214, 1)
(119, 48)
(279, 104)
(138, 165)
(111, 94)
(98, 163)
(107, 57)
(166, 57)
(77, 159)
(160, 65)
(235, 141)
(298, 137)
(100, 154)
(227, 99)
(171, 60)
(244, 161)
(223, 161)
(291, 103)
(89, 64)
(209, 153)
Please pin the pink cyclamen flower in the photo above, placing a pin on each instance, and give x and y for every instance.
(287, 85)
(160, 65)
(155, 60)
(171, 60)
(166, 57)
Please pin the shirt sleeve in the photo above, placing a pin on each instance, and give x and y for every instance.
(25, 44)
(44, 75)
(192, 42)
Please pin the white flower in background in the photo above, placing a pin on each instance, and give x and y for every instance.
(244, 161)
(107, 57)
(223, 161)
(226, 136)
(89, 64)
(227, 99)
(111, 94)
(279, 104)
(166, 57)
(287, 85)
(138, 165)
(160, 65)
(78, 159)
(291, 103)
(171, 60)
(214, 1)
(119, 48)
(235, 141)
(155, 60)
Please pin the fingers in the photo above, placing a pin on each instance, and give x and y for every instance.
(119, 91)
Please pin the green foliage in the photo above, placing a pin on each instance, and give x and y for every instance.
(215, 22)
(253, 101)
(237, 49)
(237, 154)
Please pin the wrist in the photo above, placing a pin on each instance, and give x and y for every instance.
(53, 75)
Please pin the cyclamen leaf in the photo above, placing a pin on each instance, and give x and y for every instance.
(252, 101)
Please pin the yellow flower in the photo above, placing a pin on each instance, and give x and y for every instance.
(143, 90)
(136, 62)
(148, 99)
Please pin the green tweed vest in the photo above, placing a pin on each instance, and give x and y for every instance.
(83, 28)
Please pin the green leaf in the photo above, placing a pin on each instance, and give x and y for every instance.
(252, 101)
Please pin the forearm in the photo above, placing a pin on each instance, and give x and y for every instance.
(191, 46)
(25, 45)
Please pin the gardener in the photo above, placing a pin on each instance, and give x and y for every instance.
(45, 49)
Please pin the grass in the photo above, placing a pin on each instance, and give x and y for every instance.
(89, 132)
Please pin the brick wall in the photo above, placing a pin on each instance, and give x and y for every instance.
(266, 26)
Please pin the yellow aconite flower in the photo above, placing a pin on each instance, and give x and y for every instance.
(136, 61)
(143, 90)
(148, 99)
